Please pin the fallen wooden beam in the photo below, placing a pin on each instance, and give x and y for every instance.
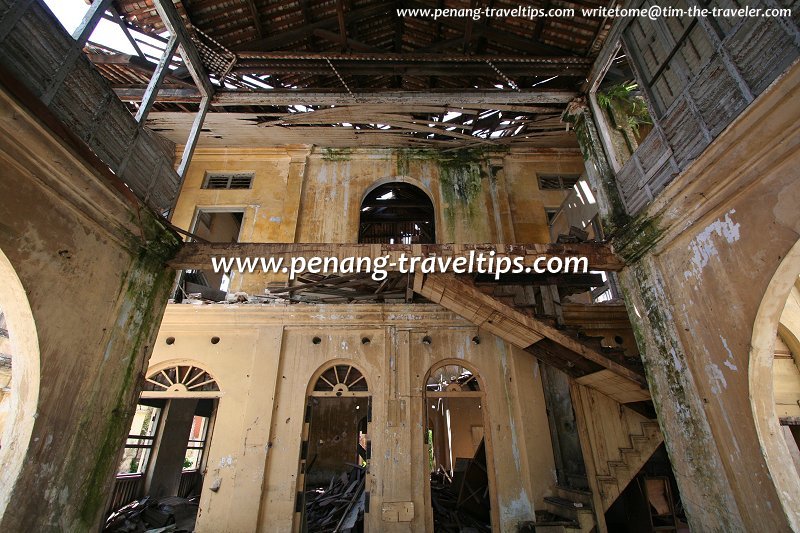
(526, 332)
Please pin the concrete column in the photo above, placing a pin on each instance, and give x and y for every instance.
(166, 463)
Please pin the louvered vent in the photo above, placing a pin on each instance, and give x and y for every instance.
(555, 182)
(219, 180)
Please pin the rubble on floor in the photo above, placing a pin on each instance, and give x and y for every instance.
(338, 508)
(165, 515)
(461, 503)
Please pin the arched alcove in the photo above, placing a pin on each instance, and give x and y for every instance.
(22, 395)
(774, 445)
(397, 213)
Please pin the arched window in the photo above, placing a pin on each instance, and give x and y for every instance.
(340, 380)
(180, 380)
(397, 213)
(452, 378)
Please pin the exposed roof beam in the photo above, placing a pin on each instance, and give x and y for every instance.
(256, 18)
(422, 57)
(191, 58)
(342, 24)
(138, 64)
(288, 37)
(351, 43)
(413, 69)
(483, 99)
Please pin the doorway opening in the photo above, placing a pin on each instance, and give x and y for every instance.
(397, 213)
(19, 377)
(775, 381)
(335, 452)
(212, 225)
(461, 477)
(160, 473)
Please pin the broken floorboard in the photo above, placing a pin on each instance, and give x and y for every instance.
(550, 345)
(196, 255)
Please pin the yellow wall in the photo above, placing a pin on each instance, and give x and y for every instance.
(264, 363)
(302, 194)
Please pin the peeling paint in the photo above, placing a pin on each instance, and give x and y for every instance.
(716, 378)
(703, 247)
(728, 362)
(518, 509)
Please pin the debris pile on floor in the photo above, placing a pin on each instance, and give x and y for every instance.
(461, 502)
(339, 508)
(448, 516)
(166, 515)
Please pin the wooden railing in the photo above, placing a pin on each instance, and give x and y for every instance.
(126, 489)
(191, 481)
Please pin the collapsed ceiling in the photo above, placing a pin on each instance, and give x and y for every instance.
(354, 72)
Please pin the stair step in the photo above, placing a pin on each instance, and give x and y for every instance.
(611, 480)
(583, 514)
(576, 495)
(546, 518)
(630, 452)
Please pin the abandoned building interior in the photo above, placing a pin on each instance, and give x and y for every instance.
(145, 390)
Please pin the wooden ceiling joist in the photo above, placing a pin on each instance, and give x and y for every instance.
(288, 97)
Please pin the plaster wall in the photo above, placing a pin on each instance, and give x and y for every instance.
(305, 194)
(90, 261)
(700, 266)
(264, 362)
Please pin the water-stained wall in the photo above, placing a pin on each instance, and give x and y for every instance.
(90, 263)
(264, 361)
(701, 259)
(300, 194)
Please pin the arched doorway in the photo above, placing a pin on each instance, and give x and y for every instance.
(165, 452)
(397, 213)
(335, 451)
(458, 448)
(19, 377)
(775, 381)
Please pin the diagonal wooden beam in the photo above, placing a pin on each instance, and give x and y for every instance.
(251, 5)
(118, 20)
(342, 24)
(519, 329)
(191, 57)
(89, 22)
(156, 80)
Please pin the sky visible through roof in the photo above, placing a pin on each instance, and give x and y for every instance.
(71, 12)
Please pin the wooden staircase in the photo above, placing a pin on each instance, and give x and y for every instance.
(616, 442)
(579, 357)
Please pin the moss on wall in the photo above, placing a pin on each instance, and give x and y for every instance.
(591, 147)
(143, 294)
(337, 154)
(461, 174)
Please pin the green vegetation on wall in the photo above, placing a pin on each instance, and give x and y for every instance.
(461, 174)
